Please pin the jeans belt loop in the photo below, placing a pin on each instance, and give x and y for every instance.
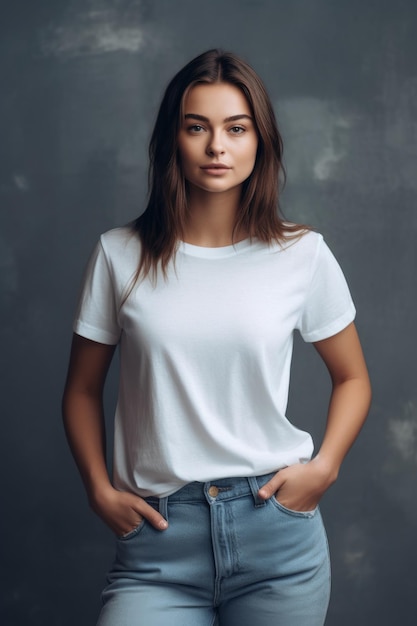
(163, 507)
(253, 483)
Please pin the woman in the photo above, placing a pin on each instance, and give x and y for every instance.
(214, 498)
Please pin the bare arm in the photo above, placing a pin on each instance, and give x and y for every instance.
(82, 408)
(301, 486)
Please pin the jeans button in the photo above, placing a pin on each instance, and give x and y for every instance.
(213, 491)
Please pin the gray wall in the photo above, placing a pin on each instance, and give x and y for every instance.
(80, 82)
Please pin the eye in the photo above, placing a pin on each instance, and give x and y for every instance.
(237, 130)
(195, 129)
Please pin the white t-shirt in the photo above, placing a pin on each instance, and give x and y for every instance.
(205, 355)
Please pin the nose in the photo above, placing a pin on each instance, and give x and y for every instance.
(214, 145)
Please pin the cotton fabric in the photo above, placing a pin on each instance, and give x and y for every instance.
(205, 354)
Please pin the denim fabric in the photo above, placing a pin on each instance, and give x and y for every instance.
(226, 556)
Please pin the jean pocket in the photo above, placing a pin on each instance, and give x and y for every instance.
(132, 533)
(292, 512)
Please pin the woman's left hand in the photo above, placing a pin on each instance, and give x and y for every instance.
(299, 487)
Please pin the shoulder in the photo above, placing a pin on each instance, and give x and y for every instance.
(120, 236)
(301, 242)
(120, 243)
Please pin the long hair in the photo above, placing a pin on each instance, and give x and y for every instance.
(161, 226)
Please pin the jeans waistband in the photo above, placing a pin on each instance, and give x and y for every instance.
(216, 491)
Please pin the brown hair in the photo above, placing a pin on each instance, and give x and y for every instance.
(161, 226)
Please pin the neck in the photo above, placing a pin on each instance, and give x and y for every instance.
(211, 218)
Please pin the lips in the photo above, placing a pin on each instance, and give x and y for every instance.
(215, 169)
(215, 166)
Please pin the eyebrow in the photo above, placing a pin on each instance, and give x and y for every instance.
(232, 118)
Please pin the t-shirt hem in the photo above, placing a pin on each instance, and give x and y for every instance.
(161, 488)
(336, 326)
(94, 334)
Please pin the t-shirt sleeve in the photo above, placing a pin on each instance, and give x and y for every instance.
(96, 316)
(328, 306)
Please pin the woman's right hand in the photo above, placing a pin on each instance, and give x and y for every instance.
(85, 429)
(123, 511)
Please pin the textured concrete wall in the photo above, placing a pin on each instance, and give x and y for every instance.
(80, 83)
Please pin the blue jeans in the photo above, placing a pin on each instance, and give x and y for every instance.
(227, 558)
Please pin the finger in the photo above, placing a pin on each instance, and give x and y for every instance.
(271, 487)
(152, 516)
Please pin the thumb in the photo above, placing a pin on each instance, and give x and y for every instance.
(271, 487)
(148, 512)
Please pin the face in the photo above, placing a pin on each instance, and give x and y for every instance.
(217, 140)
